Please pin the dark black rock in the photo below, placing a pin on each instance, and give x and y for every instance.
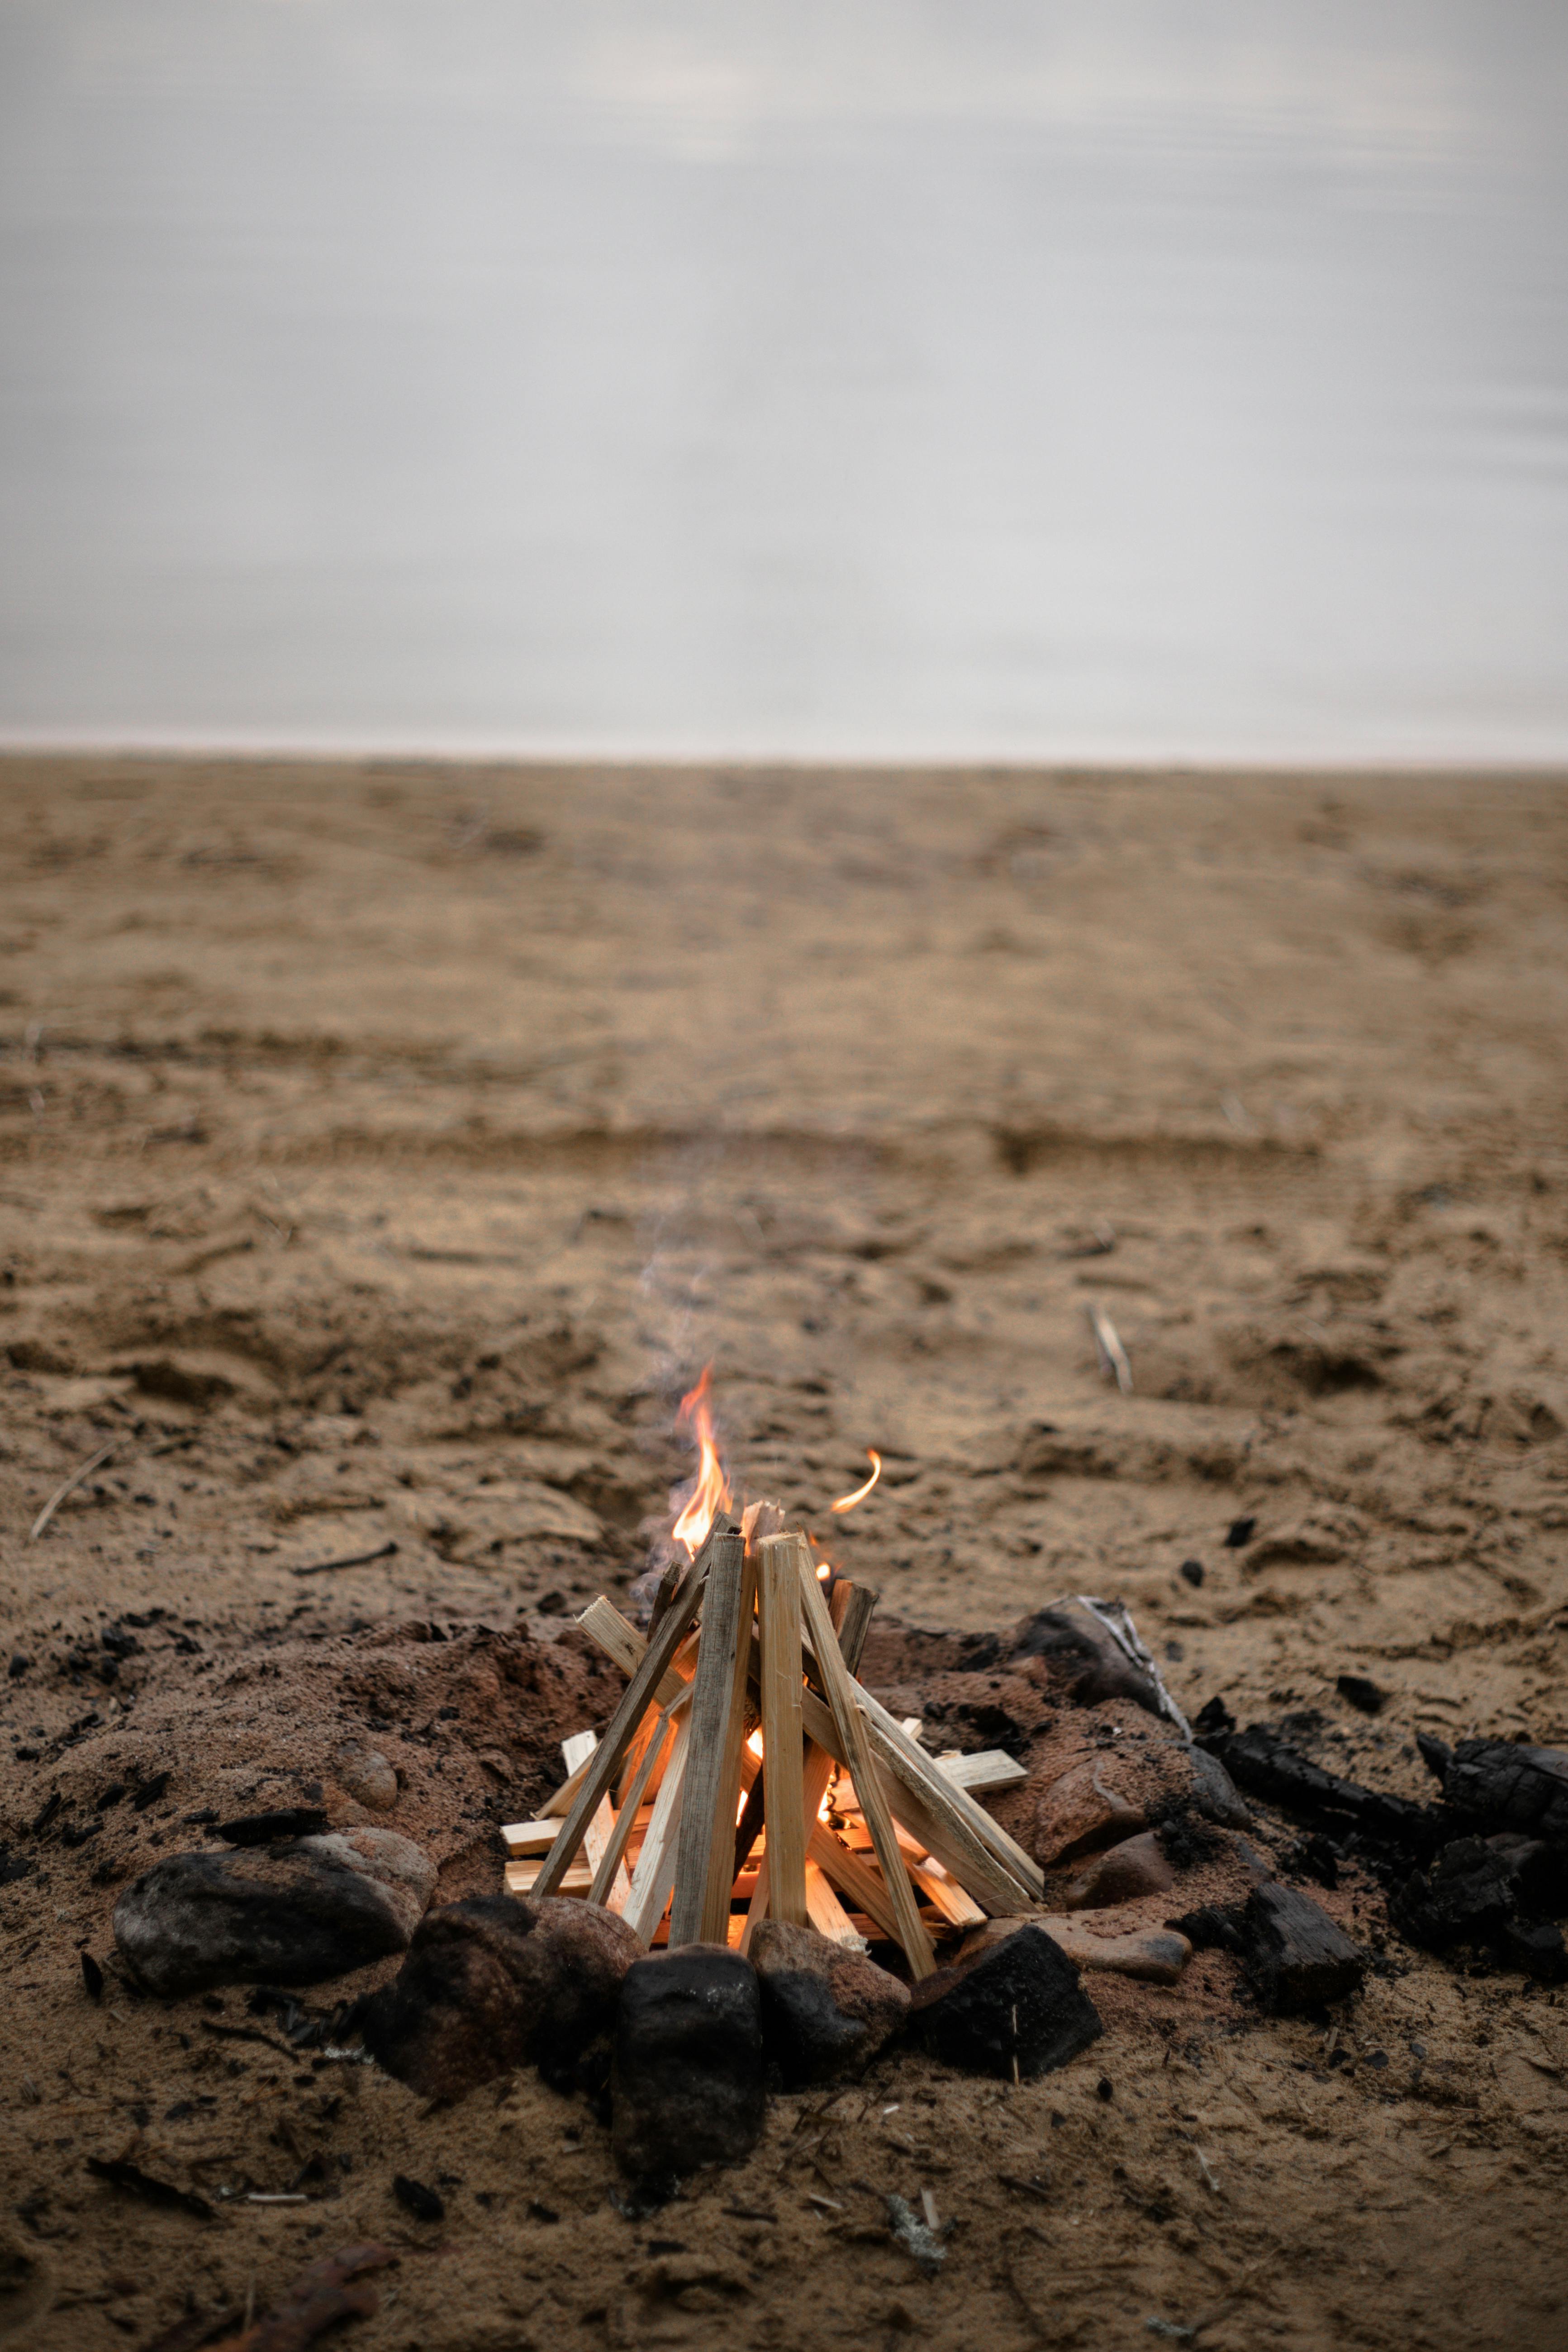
(687, 2082)
(1192, 1572)
(1296, 1957)
(1358, 1692)
(494, 1983)
(827, 2011)
(1239, 1533)
(1019, 2001)
(1434, 1754)
(424, 2204)
(91, 1976)
(266, 1829)
(291, 1913)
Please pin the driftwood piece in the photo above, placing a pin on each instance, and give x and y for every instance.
(605, 1760)
(851, 1742)
(778, 1620)
(705, 1865)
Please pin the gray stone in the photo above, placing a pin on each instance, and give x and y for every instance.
(366, 1775)
(688, 2082)
(827, 2011)
(1135, 1867)
(289, 1914)
(1016, 2002)
(1215, 1793)
(495, 1982)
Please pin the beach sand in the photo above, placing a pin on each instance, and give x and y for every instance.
(390, 1142)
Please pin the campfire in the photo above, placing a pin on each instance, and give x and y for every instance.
(749, 1774)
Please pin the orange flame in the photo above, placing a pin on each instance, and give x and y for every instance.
(712, 1493)
(847, 1502)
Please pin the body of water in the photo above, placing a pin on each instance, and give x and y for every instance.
(983, 381)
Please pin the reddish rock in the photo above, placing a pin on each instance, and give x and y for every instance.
(827, 2011)
(494, 1983)
(1082, 1811)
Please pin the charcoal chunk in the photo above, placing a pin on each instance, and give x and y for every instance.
(1296, 1957)
(827, 2011)
(687, 2086)
(493, 1983)
(1086, 1655)
(1538, 1948)
(1019, 2001)
(1511, 1788)
(1469, 1897)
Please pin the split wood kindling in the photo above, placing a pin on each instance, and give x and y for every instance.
(748, 1774)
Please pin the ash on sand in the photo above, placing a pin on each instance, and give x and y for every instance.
(365, 1261)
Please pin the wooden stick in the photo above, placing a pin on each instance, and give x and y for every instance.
(655, 1874)
(619, 1640)
(826, 1912)
(866, 1888)
(606, 1761)
(850, 1606)
(947, 1836)
(993, 1767)
(610, 1886)
(705, 1863)
(778, 1625)
(853, 1747)
(942, 1796)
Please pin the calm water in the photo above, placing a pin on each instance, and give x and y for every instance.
(969, 379)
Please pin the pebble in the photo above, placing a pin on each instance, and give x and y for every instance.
(497, 1982)
(688, 2087)
(827, 2011)
(294, 1912)
(1153, 1955)
(364, 1772)
(1135, 1867)
(1015, 2001)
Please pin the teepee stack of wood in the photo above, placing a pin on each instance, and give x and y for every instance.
(747, 1774)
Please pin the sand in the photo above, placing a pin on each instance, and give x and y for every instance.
(398, 1140)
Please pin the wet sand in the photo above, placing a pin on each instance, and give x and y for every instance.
(390, 1143)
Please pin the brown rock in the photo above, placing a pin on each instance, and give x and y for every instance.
(827, 2011)
(494, 1982)
(1135, 1867)
(1081, 1811)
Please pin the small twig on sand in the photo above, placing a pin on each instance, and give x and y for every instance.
(96, 1462)
(1113, 1360)
(350, 1559)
